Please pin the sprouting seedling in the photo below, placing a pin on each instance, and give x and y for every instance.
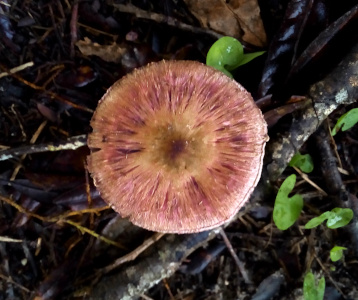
(346, 121)
(227, 54)
(336, 218)
(311, 291)
(287, 209)
(336, 253)
(302, 161)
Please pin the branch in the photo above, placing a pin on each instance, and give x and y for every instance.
(337, 88)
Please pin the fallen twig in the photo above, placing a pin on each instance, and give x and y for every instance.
(71, 143)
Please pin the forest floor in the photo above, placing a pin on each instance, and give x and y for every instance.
(60, 240)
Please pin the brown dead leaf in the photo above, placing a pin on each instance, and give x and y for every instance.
(109, 53)
(237, 18)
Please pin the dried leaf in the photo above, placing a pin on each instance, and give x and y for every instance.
(247, 13)
(238, 18)
(109, 53)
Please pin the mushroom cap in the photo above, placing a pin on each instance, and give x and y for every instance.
(177, 147)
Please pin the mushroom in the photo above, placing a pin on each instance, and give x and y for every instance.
(177, 147)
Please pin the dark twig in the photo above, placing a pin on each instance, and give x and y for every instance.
(56, 28)
(329, 166)
(73, 26)
(142, 14)
(283, 46)
(352, 203)
(322, 40)
(269, 287)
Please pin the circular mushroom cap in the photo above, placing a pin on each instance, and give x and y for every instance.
(177, 146)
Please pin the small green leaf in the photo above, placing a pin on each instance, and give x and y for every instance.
(340, 217)
(247, 57)
(310, 290)
(317, 220)
(336, 218)
(303, 162)
(287, 209)
(346, 121)
(227, 53)
(336, 253)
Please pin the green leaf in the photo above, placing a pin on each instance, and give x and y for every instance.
(339, 217)
(227, 53)
(249, 57)
(287, 209)
(346, 121)
(336, 253)
(317, 220)
(303, 162)
(310, 290)
(336, 218)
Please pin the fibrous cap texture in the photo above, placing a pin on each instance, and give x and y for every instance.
(177, 147)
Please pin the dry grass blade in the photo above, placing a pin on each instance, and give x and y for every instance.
(62, 218)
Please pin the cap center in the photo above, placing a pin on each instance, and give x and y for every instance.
(176, 149)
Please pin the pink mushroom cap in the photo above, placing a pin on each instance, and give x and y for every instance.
(176, 147)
